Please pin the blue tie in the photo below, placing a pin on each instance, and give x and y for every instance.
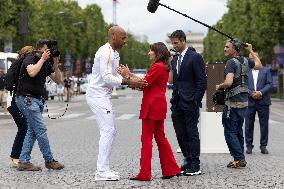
(179, 63)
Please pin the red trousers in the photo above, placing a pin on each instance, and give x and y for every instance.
(167, 159)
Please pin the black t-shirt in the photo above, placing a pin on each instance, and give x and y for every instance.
(231, 67)
(33, 86)
(2, 82)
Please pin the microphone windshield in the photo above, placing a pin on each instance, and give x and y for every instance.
(153, 5)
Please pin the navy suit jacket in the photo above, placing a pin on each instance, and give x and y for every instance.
(190, 84)
(264, 84)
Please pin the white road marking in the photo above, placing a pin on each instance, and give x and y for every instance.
(93, 117)
(51, 107)
(277, 112)
(125, 116)
(74, 115)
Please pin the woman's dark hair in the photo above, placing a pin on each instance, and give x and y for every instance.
(162, 54)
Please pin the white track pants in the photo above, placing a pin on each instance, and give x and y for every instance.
(104, 115)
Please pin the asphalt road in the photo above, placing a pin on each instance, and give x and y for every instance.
(74, 142)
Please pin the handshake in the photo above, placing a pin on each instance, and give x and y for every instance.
(131, 79)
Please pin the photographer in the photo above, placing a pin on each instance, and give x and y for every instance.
(34, 70)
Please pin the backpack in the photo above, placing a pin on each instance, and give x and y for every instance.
(12, 76)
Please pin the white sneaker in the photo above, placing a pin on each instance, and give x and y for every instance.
(107, 175)
(178, 150)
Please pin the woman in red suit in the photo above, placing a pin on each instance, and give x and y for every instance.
(153, 113)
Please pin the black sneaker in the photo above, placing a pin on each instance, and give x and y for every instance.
(249, 150)
(237, 164)
(183, 168)
(191, 172)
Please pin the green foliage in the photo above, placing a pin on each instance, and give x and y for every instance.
(260, 23)
(134, 54)
(78, 31)
(8, 12)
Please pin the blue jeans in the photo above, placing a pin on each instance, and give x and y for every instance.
(233, 131)
(32, 108)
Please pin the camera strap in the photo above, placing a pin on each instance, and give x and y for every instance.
(58, 116)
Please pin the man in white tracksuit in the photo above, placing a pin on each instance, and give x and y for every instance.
(104, 77)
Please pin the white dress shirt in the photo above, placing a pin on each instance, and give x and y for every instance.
(104, 76)
(181, 57)
(255, 75)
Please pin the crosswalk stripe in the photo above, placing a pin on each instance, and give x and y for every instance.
(52, 107)
(50, 114)
(74, 115)
(277, 112)
(2, 113)
(125, 116)
(93, 117)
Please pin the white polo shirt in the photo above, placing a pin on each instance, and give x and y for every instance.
(104, 76)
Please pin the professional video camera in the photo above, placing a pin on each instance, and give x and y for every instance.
(52, 46)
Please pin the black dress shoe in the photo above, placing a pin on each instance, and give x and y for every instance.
(249, 150)
(133, 178)
(263, 150)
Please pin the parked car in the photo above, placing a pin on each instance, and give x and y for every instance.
(6, 60)
(84, 82)
(51, 88)
(140, 72)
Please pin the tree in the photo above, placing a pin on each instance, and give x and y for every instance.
(8, 19)
(258, 22)
(78, 31)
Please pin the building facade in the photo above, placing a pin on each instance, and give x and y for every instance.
(194, 40)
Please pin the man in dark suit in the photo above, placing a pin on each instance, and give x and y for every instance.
(259, 84)
(189, 84)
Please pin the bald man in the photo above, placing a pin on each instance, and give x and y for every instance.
(103, 78)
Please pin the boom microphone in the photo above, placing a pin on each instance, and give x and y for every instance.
(153, 6)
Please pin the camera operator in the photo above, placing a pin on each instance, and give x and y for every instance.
(236, 86)
(34, 70)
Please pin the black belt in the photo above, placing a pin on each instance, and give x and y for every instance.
(30, 95)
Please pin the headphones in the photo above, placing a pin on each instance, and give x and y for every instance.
(236, 44)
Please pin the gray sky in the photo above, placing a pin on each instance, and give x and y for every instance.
(133, 15)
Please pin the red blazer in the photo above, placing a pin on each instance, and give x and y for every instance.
(154, 103)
